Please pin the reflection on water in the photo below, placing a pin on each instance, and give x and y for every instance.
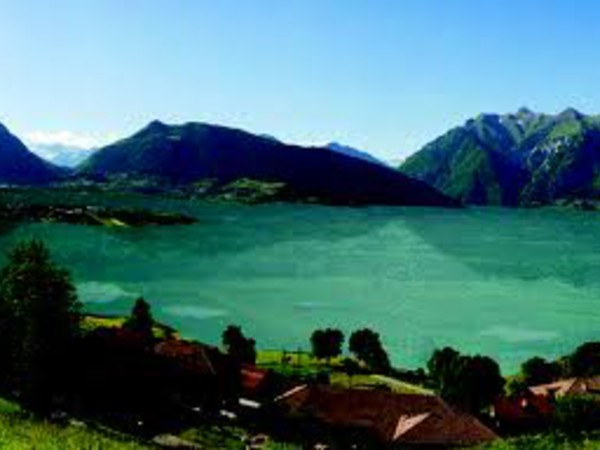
(529, 244)
(508, 283)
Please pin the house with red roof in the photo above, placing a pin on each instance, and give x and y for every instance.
(522, 412)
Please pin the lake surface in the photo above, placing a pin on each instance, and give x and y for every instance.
(506, 283)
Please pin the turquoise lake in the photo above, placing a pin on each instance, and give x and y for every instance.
(507, 283)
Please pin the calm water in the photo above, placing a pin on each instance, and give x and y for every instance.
(507, 283)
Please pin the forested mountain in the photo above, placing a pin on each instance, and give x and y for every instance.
(197, 153)
(514, 159)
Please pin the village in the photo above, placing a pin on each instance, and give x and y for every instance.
(136, 376)
(320, 403)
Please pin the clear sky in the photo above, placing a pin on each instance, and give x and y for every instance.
(383, 75)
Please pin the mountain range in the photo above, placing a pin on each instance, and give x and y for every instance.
(196, 153)
(519, 159)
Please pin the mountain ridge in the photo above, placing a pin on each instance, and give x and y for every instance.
(193, 152)
(517, 159)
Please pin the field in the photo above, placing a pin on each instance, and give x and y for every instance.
(94, 321)
(18, 431)
(303, 364)
(374, 381)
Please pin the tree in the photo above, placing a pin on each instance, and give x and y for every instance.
(327, 343)
(585, 361)
(141, 320)
(366, 346)
(516, 386)
(39, 324)
(470, 382)
(443, 368)
(537, 370)
(238, 346)
(577, 414)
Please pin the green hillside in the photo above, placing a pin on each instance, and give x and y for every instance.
(18, 431)
(514, 159)
(233, 163)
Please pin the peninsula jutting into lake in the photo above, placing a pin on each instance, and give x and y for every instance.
(90, 215)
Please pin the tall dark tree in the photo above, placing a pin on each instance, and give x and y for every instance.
(238, 346)
(585, 361)
(537, 370)
(327, 343)
(469, 382)
(39, 323)
(366, 346)
(141, 320)
(443, 367)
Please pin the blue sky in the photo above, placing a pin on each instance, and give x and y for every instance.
(383, 75)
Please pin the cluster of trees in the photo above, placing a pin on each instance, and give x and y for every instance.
(583, 362)
(39, 326)
(47, 360)
(470, 382)
(364, 344)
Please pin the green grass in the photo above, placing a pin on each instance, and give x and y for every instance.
(20, 432)
(227, 438)
(7, 407)
(92, 322)
(297, 358)
(303, 363)
(295, 363)
(376, 381)
(543, 442)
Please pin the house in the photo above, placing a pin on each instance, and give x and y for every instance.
(192, 357)
(253, 380)
(365, 418)
(570, 386)
(204, 377)
(533, 408)
(521, 412)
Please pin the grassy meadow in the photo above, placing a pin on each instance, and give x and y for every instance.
(19, 431)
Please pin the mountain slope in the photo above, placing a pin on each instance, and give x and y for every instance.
(195, 152)
(20, 166)
(514, 159)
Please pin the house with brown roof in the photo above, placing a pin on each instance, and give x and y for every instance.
(365, 418)
(570, 386)
(533, 408)
(204, 376)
